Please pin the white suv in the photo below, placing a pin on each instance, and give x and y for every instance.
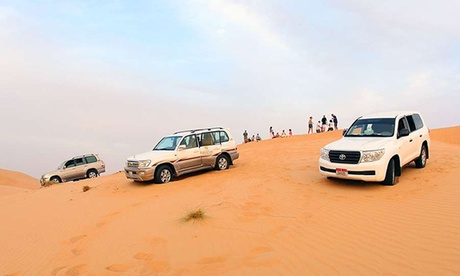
(376, 147)
(184, 152)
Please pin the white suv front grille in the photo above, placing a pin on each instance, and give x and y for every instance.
(132, 164)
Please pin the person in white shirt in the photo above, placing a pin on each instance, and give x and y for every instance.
(330, 126)
(318, 127)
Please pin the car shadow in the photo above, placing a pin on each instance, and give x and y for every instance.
(363, 184)
(176, 179)
(354, 184)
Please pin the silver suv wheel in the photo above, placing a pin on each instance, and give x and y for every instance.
(92, 174)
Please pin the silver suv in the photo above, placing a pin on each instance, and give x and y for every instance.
(376, 147)
(79, 167)
(184, 152)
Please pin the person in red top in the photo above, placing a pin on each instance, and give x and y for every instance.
(290, 132)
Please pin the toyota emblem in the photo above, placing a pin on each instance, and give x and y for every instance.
(342, 157)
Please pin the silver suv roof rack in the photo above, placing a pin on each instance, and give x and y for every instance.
(197, 129)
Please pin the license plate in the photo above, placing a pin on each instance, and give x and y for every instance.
(342, 172)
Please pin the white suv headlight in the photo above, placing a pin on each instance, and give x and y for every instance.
(372, 155)
(324, 154)
(144, 163)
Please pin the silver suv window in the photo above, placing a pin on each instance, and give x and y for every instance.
(70, 163)
(90, 159)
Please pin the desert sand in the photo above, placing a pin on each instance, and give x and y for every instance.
(271, 213)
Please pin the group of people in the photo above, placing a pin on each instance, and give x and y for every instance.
(323, 124)
(278, 135)
(272, 134)
(248, 139)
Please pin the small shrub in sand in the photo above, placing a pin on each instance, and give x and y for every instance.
(86, 188)
(196, 215)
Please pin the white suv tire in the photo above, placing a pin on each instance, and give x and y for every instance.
(420, 162)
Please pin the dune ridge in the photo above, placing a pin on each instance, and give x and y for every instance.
(18, 180)
(271, 213)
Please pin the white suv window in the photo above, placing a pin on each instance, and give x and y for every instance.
(189, 142)
(207, 139)
(415, 122)
(383, 127)
(220, 137)
(418, 121)
(168, 143)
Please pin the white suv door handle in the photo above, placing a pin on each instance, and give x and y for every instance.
(410, 140)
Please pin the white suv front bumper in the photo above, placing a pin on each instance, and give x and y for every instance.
(368, 171)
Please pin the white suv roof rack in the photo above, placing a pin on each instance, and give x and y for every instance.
(198, 129)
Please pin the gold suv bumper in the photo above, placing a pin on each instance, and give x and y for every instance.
(136, 174)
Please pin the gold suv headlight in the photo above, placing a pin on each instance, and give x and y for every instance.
(372, 155)
(144, 163)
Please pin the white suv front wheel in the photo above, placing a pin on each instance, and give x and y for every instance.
(222, 162)
(163, 174)
(390, 175)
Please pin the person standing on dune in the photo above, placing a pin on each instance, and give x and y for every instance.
(324, 123)
(336, 121)
(310, 125)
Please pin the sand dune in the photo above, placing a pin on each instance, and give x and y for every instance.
(447, 135)
(272, 213)
(18, 180)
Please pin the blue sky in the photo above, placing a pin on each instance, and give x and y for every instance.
(112, 77)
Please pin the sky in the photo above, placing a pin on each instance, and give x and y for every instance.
(113, 77)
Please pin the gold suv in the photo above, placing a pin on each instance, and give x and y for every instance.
(184, 152)
(79, 167)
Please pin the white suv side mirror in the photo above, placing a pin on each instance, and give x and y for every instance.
(404, 132)
(181, 147)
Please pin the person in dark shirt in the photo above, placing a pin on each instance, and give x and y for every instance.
(323, 123)
(336, 121)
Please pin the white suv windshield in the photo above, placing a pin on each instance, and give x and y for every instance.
(168, 143)
(378, 127)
